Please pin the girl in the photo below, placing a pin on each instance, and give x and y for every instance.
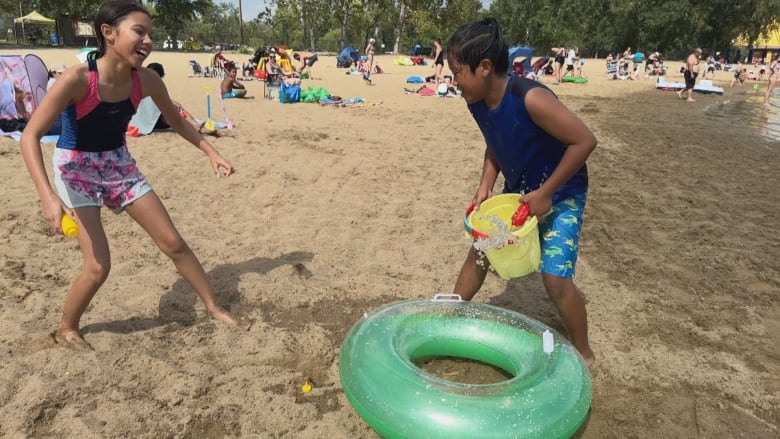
(93, 168)
(774, 74)
(540, 147)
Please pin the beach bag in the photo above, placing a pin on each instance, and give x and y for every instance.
(289, 94)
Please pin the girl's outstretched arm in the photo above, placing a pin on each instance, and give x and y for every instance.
(69, 88)
(557, 120)
(153, 86)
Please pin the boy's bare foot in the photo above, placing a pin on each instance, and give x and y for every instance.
(589, 361)
(71, 340)
(221, 315)
(691, 100)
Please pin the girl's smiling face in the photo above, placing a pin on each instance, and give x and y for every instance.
(131, 39)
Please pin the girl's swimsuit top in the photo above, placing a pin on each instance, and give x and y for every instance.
(95, 125)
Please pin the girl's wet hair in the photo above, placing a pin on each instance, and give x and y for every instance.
(479, 40)
(112, 13)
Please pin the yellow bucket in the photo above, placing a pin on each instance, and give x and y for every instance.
(512, 252)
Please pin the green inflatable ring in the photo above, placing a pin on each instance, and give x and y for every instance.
(575, 79)
(548, 397)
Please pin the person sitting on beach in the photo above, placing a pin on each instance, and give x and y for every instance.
(230, 87)
(277, 74)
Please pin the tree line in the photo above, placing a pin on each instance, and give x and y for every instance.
(672, 27)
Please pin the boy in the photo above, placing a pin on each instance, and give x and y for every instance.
(229, 87)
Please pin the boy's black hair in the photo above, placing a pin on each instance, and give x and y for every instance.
(112, 13)
(157, 67)
(479, 40)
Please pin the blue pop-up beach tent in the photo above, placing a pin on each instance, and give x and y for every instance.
(348, 56)
(522, 66)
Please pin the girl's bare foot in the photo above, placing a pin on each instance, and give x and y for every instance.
(221, 315)
(72, 340)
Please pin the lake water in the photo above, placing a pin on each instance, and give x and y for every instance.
(749, 111)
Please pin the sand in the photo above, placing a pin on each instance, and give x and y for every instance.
(336, 211)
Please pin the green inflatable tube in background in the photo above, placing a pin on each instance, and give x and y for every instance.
(575, 79)
(548, 396)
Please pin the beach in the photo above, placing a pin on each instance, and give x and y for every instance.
(336, 211)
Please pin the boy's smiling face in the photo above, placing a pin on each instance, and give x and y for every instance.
(471, 84)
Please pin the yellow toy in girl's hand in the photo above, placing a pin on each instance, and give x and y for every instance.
(69, 226)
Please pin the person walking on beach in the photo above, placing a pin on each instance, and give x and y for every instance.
(93, 167)
(690, 74)
(774, 74)
(540, 147)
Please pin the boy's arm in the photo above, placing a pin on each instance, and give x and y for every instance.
(488, 180)
(553, 117)
(236, 84)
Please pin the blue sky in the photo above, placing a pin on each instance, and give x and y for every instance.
(253, 7)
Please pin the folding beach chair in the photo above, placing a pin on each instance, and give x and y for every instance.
(195, 67)
(272, 82)
(612, 70)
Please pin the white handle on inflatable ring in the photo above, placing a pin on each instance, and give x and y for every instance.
(548, 345)
(447, 297)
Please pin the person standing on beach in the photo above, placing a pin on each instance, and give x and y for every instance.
(307, 60)
(560, 59)
(690, 74)
(774, 75)
(438, 61)
(93, 167)
(369, 60)
(540, 147)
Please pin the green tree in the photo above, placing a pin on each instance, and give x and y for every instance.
(174, 16)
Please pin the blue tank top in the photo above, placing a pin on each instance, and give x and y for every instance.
(526, 154)
(94, 125)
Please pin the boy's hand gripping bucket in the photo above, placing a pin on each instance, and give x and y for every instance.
(512, 251)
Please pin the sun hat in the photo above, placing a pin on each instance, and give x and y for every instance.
(58, 68)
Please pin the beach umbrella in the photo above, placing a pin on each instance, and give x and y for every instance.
(82, 55)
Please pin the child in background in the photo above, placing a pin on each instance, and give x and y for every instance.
(93, 167)
(230, 87)
(540, 147)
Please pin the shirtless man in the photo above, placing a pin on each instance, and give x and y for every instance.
(690, 74)
(307, 59)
